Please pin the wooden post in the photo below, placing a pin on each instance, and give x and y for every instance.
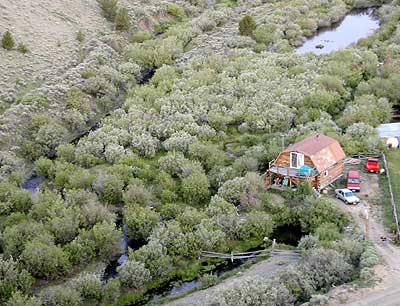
(366, 224)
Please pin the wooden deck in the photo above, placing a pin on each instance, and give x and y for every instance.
(290, 172)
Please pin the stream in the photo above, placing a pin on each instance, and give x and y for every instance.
(357, 24)
(288, 234)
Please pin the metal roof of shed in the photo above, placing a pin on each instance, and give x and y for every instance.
(389, 130)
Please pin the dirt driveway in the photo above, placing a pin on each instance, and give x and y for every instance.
(387, 291)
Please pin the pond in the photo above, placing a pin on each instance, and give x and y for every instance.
(356, 25)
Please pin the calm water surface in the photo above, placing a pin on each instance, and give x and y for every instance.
(356, 25)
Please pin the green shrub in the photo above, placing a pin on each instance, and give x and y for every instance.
(88, 285)
(247, 26)
(23, 48)
(141, 36)
(109, 8)
(122, 20)
(80, 36)
(327, 232)
(111, 291)
(8, 41)
(176, 11)
(324, 268)
(45, 260)
(139, 222)
(12, 279)
(61, 296)
(19, 299)
(208, 280)
(195, 188)
(133, 274)
(369, 257)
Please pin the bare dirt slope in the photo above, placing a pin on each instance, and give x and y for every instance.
(49, 28)
(387, 292)
(265, 269)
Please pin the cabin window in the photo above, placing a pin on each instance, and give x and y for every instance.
(296, 160)
(326, 173)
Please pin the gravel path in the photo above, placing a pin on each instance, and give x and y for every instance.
(387, 292)
(265, 269)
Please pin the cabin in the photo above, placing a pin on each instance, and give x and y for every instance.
(318, 159)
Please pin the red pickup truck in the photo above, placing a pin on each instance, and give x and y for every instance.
(372, 165)
(353, 180)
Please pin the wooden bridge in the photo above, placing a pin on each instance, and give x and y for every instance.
(252, 254)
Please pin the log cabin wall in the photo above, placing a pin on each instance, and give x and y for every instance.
(329, 175)
(283, 160)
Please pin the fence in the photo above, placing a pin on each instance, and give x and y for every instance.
(394, 208)
(253, 254)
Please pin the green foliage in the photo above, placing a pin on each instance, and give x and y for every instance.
(176, 11)
(76, 99)
(89, 286)
(324, 268)
(106, 239)
(111, 291)
(136, 194)
(140, 36)
(139, 222)
(44, 167)
(122, 20)
(257, 226)
(254, 291)
(247, 26)
(62, 296)
(195, 188)
(155, 53)
(19, 299)
(109, 8)
(369, 257)
(80, 36)
(13, 279)
(109, 188)
(23, 48)
(7, 41)
(45, 260)
(13, 199)
(133, 274)
(327, 232)
(15, 236)
(296, 282)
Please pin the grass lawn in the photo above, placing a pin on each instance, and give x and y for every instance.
(393, 159)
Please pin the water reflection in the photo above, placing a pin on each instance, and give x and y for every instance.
(356, 25)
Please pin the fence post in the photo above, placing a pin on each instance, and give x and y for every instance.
(392, 198)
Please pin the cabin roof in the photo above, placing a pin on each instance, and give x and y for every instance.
(324, 151)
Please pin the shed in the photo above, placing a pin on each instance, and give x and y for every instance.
(318, 159)
(390, 133)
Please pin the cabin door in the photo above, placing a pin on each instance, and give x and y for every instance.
(296, 160)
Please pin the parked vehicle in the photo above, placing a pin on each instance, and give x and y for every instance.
(353, 180)
(372, 165)
(347, 196)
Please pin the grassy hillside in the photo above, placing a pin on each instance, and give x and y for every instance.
(172, 138)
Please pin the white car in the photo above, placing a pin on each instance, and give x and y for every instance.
(347, 196)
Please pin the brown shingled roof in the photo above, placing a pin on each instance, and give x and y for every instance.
(324, 151)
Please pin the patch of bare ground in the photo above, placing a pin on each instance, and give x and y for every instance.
(384, 288)
(264, 269)
(48, 28)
